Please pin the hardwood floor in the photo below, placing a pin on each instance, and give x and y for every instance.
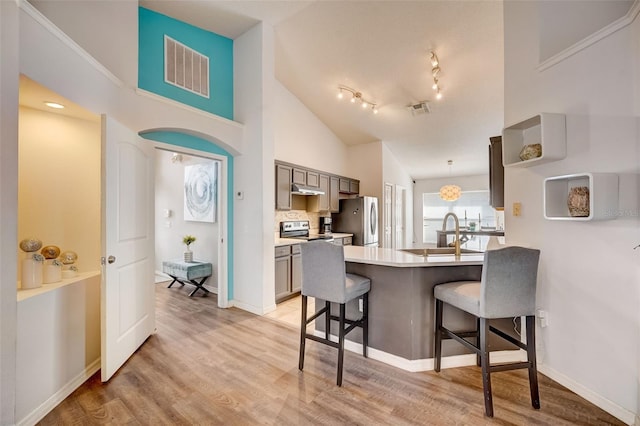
(212, 366)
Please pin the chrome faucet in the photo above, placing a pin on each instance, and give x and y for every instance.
(456, 242)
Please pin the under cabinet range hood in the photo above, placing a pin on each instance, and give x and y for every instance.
(297, 189)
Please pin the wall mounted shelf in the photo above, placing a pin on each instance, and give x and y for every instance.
(603, 196)
(547, 129)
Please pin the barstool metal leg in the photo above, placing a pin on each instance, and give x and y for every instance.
(303, 332)
(531, 358)
(478, 363)
(486, 367)
(341, 344)
(438, 336)
(365, 324)
(327, 320)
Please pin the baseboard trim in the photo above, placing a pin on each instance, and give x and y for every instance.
(38, 414)
(610, 407)
(426, 364)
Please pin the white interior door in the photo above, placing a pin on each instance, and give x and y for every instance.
(399, 215)
(127, 291)
(387, 216)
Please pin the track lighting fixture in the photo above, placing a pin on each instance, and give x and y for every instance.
(356, 97)
(435, 72)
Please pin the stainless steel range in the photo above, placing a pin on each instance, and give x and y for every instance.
(299, 229)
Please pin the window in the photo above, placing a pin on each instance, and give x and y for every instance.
(472, 205)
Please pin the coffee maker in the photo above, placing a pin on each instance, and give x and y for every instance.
(325, 225)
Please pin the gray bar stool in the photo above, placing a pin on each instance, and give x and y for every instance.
(324, 277)
(507, 289)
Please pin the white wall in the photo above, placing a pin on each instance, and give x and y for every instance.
(59, 191)
(423, 186)
(301, 138)
(254, 171)
(114, 47)
(586, 280)
(9, 71)
(58, 346)
(169, 195)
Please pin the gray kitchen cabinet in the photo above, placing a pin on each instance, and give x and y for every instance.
(282, 272)
(313, 179)
(299, 176)
(496, 173)
(334, 194)
(288, 271)
(349, 186)
(345, 185)
(354, 186)
(283, 187)
(324, 204)
(296, 269)
(347, 241)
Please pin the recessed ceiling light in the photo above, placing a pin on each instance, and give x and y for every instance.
(54, 105)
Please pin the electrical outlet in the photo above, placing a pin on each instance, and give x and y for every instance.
(543, 316)
(517, 209)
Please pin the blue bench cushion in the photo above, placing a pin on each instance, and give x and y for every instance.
(187, 271)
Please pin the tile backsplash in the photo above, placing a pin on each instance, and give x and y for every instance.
(313, 218)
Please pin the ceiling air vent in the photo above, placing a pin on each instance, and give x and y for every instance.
(419, 108)
(186, 68)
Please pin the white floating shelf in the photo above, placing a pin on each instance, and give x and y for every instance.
(547, 129)
(603, 196)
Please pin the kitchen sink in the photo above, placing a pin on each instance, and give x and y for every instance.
(438, 250)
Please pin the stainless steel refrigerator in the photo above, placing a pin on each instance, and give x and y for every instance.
(358, 216)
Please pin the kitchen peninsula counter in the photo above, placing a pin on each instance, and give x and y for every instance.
(401, 303)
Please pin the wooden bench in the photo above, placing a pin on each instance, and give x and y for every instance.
(188, 273)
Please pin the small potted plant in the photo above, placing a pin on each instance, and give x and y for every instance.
(188, 240)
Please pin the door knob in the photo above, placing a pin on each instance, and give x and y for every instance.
(110, 259)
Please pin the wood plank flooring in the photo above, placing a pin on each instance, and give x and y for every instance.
(210, 366)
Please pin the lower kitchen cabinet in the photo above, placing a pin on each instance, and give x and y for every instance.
(288, 271)
(345, 241)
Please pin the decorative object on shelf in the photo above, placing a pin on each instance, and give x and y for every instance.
(356, 97)
(50, 252)
(188, 240)
(70, 272)
(472, 226)
(530, 151)
(32, 269)
(30, 244)
(201, 192)
(546, 129)
(52, 271)
(68, 257)
(435, 73)
(450, 192)
(578, 201)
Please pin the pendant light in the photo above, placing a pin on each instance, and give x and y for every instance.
(450, 192)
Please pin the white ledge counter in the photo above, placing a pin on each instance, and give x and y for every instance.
(402, 307)
(402, 259)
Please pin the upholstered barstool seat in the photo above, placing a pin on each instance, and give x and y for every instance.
(507, 289)
(324, 277)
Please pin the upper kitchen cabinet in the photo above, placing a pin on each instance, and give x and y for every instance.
(349, 186)
(334, 194)
(537, 140)
(496, 173)
(283, 187)
(299, 176)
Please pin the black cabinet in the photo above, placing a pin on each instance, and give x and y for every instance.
(496, 173)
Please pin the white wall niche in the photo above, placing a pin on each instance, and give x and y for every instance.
(603, 195)
(547, 129)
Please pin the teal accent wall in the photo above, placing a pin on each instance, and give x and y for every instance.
(193, 142)
(152, 27)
